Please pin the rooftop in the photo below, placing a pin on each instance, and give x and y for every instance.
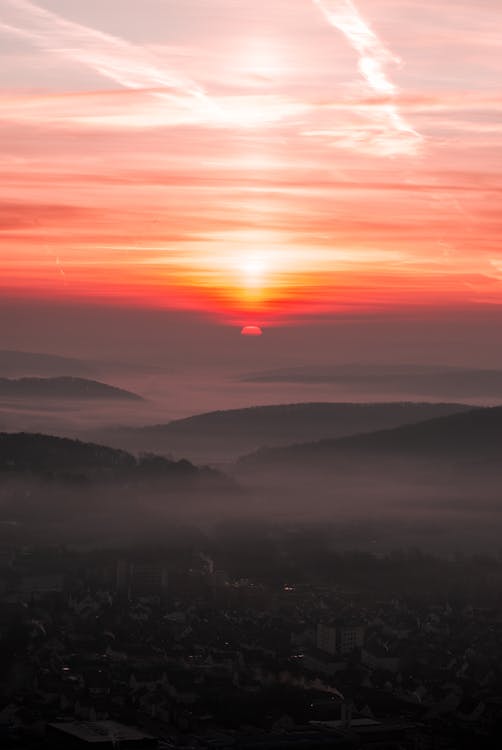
(100, 731)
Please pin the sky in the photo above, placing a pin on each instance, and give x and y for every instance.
(227, 163)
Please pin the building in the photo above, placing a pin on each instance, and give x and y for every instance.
(98, 734)
(336, 639)
(326, 638)
(350, 637)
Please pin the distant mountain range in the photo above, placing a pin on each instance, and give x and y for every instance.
(62, 388)
(18, 364)
(438, 381)
(225, 435)
(437, 468)
(469, 438)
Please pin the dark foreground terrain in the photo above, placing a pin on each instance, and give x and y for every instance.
(341, 593)
(255, 636)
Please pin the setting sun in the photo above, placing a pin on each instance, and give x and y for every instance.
(251, 331)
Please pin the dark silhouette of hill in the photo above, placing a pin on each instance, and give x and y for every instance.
(471, 437)
(29, 454)
(65, 387)
(426, 381)
(58, 490)
(227, 434)
(18, 364)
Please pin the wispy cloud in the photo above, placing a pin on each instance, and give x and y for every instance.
(389, 133)
(187, 165)
(373, 55)
(176, 100)
(120, 61)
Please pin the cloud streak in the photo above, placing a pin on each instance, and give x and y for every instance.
(124, 63)
(179, 100)
(183, 101)
(390, 132)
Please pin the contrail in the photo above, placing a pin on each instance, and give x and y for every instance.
(373, 55)
(373, 59)
(133, 67)
(120, 61)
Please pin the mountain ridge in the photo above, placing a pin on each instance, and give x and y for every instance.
(233, 432)
(476, 432)
(62, 387)
(38, 454)
(426, 381)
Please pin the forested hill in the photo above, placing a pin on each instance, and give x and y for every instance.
(27, 454)
(471, 436)
(65, 387)
(224, 435)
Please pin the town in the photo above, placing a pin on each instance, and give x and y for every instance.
(174, 647)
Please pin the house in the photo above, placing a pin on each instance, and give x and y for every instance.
(99, 735)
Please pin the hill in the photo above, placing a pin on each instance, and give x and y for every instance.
(61, 491)
(224, 435)
(469, 437)
(65, 387)
(18, 364)
(28, 454)
(412, 381)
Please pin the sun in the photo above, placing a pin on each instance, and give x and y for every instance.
(251, 331)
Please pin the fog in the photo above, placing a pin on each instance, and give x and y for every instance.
(372, 509)
(170, 396)
(442, 499)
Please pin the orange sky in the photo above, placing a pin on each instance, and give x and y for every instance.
(263, 164)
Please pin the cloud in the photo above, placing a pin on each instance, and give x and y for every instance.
(120, 61)
(179, 100)
(170, 99)
(389, 133)
(373, 55)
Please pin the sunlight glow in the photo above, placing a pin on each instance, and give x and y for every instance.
(254, 269)
(268, 162)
